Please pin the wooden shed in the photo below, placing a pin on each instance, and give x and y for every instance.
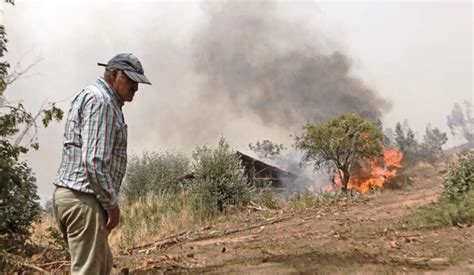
(261, 174)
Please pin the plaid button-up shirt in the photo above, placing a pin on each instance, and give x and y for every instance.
(94, 156)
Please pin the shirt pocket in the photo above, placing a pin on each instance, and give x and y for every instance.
(72, 133)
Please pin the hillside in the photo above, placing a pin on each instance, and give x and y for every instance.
(355, 235)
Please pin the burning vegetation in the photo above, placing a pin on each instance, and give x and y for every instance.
(344, 146)
(373, 173)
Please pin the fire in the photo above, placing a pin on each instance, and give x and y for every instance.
(374, 173)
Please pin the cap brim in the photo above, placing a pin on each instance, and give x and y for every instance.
(139, 78)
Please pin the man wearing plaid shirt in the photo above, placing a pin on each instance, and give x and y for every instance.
(93, 165)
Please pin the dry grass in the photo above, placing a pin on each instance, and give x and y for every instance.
(39, 231)
(151, 218)
(156, 216)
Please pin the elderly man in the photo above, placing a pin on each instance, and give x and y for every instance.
(93, 165)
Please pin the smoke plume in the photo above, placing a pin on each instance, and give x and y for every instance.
(264, 62)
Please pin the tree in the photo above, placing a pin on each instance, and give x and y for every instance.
(339, 144)
(266, 149)
(406, 142)
(19, 205)
(461, 121)
(432, 146)
(389, 137)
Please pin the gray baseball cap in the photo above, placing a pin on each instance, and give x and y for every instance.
(130, 65)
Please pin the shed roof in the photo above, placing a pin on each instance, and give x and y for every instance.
(260, 165)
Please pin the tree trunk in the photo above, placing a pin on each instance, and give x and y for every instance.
(345, 179)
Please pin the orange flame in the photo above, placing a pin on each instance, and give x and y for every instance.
(374, 173)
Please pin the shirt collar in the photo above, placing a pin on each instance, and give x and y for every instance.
(111, 91)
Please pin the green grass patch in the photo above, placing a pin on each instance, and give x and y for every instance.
(443, 213)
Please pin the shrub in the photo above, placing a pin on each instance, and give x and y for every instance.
(219, 180)
(457, 203)
(460, 177)
(399, 181)
(19, 206)
(159, 202)
(154, 173)
(443, 213)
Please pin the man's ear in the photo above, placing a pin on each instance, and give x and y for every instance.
(115, 76)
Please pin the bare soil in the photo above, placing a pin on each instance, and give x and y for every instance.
(350, 236)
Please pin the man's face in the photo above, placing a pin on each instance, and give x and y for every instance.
(125, 86)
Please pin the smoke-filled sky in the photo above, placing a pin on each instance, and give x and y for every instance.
(245, 70)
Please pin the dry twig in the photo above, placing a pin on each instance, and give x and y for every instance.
(54, 263)
(36, 268)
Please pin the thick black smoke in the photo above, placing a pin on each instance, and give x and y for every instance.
(265, 63)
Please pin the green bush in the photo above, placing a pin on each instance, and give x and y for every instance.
(219, 180)
(460, 177)
(19, 202)
(154, 173)
(457, 203)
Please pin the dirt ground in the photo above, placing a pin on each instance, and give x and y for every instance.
(350, 236)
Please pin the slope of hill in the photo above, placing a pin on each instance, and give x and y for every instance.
(361, 235)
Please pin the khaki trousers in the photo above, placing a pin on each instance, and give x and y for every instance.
(81, 219)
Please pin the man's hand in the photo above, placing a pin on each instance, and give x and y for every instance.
(114, 216)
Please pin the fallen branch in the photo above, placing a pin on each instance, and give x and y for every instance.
(268, 222)
(257, 207)
(208, 236)
(39, 269)
(54, 263)
(179, 238)
(162, 241)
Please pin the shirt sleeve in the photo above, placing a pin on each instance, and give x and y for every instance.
(98, 135)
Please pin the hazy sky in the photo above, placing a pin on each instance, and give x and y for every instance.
(415, 59)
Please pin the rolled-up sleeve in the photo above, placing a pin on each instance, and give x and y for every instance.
(98, 135)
